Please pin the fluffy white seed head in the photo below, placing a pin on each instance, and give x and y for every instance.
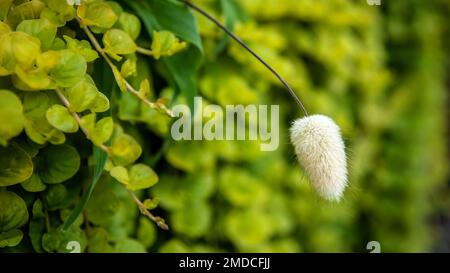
(321, 151)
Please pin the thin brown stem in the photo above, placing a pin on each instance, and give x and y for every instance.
(154, 105)
(158, 220)
(66, 103)
(246, 47)
(99, 49)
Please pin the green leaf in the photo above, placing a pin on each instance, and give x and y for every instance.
(13, 211)
(41, 29)
(12, 119)
(55, 197)
(24, 11)
(146, 233)
(120, 174)
(130, 24)
(82, 47)
(35, 232)
(31, 80)
(18, 49)
(173, 16)
(141, 177)
(38, 209)
(64, 12)
(129, 67)
(125, 149)
(60, 118)
(10, 238)
(65, 67)
(119, 79)
(101, 103)
(57, 163)
(34, 184)
(97, 14)
(82, 95)
(165, 43)
(99, 132)
(118, 42)
(37, 127)
(151, 203)
(15, 165)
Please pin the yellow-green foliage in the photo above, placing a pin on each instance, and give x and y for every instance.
(378, 71)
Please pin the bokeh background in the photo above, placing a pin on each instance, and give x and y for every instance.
(380, 71)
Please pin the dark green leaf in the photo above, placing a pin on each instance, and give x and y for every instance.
(57, 163)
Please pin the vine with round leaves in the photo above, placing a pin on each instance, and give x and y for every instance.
(48, 95)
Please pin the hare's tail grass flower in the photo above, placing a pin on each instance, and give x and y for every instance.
(317, 139)
(321, 152)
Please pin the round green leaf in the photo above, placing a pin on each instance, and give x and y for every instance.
(34, 184)
(15, 165)
(98, 14)
(125, 149)
(118, 42)
(65, 67)
(41, 29)
(10, 238)
(130, 24)
(57, 163)
(101, 103)
(18, 49)
(11, 116)
(60, 118)
(120, 174)
(55, 197)
(82, 47)
(141, 177)
(13, 211)
(146, 233)
(82, 95)
(165, 43)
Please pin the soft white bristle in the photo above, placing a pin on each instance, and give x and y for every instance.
(321, 151)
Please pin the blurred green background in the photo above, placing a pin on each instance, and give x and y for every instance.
(380, 71)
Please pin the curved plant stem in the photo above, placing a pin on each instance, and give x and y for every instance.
(158, 220)
(144, 51)
(66, 103)
(99, 49)
(239, 41)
